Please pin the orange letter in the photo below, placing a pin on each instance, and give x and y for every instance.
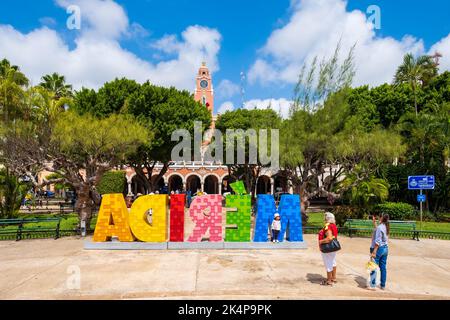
(148, 218)
(112, 220)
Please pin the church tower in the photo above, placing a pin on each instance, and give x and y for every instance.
(204, 91)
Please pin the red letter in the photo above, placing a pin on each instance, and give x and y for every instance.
(177, 203)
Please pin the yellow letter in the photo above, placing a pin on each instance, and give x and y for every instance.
(112, 220)
(148, 218)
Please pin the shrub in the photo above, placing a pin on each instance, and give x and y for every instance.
(343, 213)
(12, 193)
(112, 182)
(397, 211)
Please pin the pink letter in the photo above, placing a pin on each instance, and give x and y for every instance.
(206, 212)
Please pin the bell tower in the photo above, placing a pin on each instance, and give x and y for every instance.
(204, 91)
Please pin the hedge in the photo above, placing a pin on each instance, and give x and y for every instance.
(112, 182)
(397, 210)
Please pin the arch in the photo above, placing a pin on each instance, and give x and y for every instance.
(160, 185)
(263, 185)
(212, 184)
(281, 184)
(193, 183)
(211, 174)
(175, 182)
(137, 185)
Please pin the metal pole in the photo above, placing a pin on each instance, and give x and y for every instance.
(421, 209)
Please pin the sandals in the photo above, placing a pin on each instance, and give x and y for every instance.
(326, 283)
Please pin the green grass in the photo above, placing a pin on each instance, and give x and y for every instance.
(68, 222)
(316, 220)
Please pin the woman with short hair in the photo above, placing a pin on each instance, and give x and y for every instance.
(326, 235)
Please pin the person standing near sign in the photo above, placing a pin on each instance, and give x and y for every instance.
(326, 236)
(380, 251)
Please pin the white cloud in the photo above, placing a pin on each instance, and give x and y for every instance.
(227, 89)
(314, 29)
(280, 106)
(48, 21)
(100, 19)
(226, 106)
(443, 47)
(98, 56)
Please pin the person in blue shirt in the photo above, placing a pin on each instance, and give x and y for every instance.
(379, 251)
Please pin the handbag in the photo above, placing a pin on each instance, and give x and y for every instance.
(333, 246)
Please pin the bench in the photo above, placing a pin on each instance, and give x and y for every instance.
(28, 227)
(63, 205)
(407, 227)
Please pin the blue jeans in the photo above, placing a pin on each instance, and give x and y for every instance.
(381, 260)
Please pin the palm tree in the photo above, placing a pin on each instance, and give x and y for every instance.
(417, 72)
(56, 84)
(8, 71)
(12, 83)
(366, 193)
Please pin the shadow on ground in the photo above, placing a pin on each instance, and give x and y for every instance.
(315, 278)
(361, 281)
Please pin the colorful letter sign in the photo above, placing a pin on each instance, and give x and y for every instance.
(147, 220)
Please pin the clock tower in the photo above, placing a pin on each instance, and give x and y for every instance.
(204, 92)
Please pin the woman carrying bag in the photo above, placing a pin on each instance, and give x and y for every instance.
(329, 245)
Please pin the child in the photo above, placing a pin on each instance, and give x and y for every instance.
(276, 228)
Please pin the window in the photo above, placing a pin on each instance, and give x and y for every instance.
(204, 100)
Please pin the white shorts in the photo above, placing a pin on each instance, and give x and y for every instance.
(329, 259)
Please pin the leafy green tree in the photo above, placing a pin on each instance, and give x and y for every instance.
(56, 84)
(365, 194)
(12, 93)
(335, 141)
(78, 148)
(428, 138)
(162, 111)
(318, 81)
(83, 148)
(110, 99)
(416, 72)
(245, 119)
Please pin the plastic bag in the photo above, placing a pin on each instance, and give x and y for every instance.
(371, 265)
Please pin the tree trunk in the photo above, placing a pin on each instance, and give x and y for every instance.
(415, 99)
(84, 205)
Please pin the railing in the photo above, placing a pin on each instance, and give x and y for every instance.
(395, 234)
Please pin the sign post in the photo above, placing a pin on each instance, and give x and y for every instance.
(421, 183)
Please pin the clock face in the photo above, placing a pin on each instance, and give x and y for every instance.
(204, 84)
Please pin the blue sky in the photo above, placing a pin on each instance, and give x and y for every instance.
(268, 40)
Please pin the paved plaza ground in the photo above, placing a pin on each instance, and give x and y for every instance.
(40, 269)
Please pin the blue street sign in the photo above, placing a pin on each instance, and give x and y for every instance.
(421, 198)
(421, 183)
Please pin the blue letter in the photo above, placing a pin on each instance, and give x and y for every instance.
(291, 218)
